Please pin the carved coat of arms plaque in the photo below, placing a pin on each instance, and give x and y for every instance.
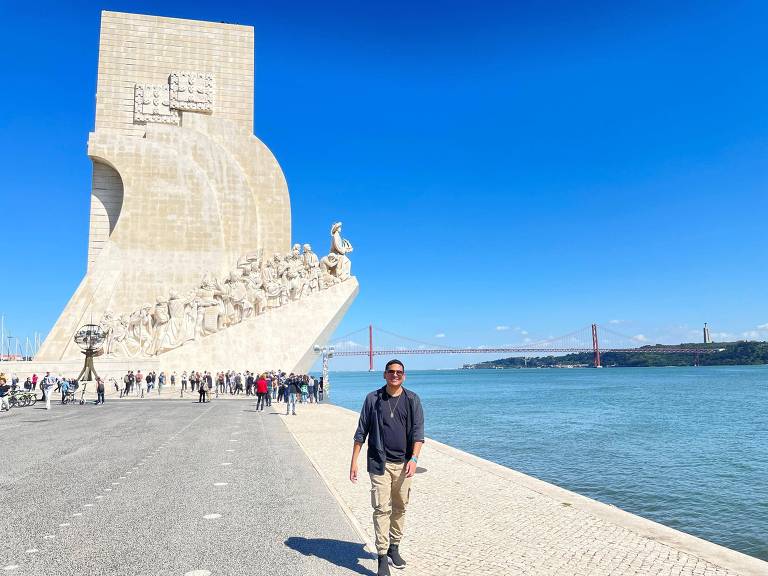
(191, 91)
(152, 104)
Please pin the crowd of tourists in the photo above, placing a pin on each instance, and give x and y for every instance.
(267, 387)
(49, 385)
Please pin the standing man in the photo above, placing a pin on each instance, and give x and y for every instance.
(393, 421)
(202, 392)
(64, 389)
(99, 391)
(47, 385)
(291, 391)
(208, 379)
(140, 382)
(4, 389)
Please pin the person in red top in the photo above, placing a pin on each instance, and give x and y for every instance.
(261, 392)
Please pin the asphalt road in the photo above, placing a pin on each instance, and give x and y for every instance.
(165, 488)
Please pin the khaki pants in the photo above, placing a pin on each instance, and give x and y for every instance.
(389, 497)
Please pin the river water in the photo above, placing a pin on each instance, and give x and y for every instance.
(686, 447)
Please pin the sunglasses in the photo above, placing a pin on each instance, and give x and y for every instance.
(395, 372)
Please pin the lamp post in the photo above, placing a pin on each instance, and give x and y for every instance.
(327, 352)
(91, 339)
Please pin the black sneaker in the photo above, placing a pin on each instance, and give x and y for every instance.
(383, 566)
(394, 557)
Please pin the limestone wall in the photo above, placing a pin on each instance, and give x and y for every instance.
(138, 48)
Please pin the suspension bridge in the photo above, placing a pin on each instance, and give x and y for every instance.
(593, 339)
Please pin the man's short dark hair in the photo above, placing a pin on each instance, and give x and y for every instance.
(394, 361)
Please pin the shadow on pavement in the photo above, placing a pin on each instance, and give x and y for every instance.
(338, 552)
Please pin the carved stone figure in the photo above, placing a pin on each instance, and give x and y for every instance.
(108, 327)
(175, 334)
(310, 258)
(251, 289)
(139, 339)
(146, 332)
(341, 247)
(272, 285)
(294, 283)
(312, 266)
(208, 307)
(236, 304)
(119, 346)
(328, 271)
(160, 318)
(254, 286)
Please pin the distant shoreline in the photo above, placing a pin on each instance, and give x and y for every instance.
(741, 353)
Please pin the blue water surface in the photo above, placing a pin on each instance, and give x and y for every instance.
(686, 447)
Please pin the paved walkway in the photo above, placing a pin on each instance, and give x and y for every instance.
(165, 488)
(469, 516)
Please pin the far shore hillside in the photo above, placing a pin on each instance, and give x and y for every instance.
(739, 353)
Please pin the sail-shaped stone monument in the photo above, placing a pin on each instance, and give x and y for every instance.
(190, 260)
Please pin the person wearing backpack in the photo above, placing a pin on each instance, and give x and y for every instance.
(99, 391)
(202, 390)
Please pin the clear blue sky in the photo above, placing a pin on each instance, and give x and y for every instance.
(495, 164)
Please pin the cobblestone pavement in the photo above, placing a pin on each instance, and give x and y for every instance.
(470, 516)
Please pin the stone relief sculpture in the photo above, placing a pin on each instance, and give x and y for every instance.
(336, 266)
(254, 287)
(191, 91)
(152, 104)
(185, 91)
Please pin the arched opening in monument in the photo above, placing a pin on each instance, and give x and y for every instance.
(106, 203)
